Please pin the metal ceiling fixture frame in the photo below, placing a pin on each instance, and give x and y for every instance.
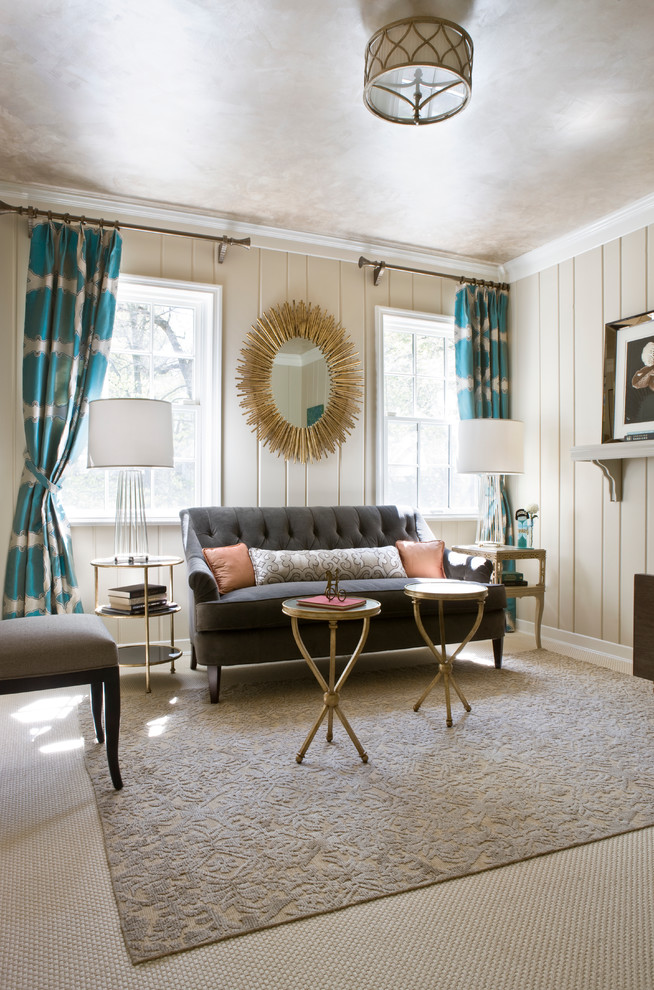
(418, 70)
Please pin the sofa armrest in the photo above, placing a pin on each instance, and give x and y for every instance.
(201, 581)
(466, 567)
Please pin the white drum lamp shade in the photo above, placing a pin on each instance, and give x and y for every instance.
(130, 434)
(490, 448)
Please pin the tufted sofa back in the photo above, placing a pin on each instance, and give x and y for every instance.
(305, 527)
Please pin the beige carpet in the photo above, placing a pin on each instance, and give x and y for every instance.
(219, 832)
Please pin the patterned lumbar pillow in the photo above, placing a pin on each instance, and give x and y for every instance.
(277, 566)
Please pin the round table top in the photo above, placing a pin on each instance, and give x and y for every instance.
(152, 561)
(447, 590)
(366, 611)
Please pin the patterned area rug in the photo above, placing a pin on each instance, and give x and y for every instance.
(218, 831)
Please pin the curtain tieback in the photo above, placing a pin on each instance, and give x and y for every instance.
(40, 478)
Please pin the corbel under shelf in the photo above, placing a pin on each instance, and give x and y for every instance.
(609, 457)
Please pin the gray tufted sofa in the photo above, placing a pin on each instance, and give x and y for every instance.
(248, 626)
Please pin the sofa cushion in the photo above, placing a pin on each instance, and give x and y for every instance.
(231, 567)
(423, 560)
(260, 607)
(279, 566)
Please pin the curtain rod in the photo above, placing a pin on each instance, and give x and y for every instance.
(31, 212)
(381, 266)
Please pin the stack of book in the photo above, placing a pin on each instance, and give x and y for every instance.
(131, 598)
(513, 578)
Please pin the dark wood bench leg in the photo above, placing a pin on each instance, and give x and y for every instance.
(213, 673)
(498, 645)
(194, 659)
(112, 724)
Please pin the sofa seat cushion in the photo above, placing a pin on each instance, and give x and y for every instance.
(283, 566)
(261, 607)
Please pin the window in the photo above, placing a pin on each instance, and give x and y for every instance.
(417, 415)
(165, 345)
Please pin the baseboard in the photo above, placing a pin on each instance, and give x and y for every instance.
(597, 651)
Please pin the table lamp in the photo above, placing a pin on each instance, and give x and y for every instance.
(130, 434)
(490, 448)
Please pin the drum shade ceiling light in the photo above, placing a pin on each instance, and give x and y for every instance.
(418, 70)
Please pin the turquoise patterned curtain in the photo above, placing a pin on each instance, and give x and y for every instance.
(69, 314)
(482, 372)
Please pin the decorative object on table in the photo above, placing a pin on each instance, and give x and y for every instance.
(311, 335)
(418, 70)
(628, 407)
(525, 519)
(490, 448)
(514, 578)
(332, 590)
(130, 434)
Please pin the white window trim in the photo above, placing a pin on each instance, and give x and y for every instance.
(413, 320)
(209, 367)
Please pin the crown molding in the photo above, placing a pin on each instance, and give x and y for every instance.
(632, 217)
(271, 238)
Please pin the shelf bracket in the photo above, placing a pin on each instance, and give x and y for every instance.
(612, 471)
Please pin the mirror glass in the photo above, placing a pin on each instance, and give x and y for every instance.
(300, 382)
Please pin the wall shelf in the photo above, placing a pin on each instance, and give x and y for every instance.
(609, 457)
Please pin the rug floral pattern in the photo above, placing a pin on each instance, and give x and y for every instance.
(218, 831)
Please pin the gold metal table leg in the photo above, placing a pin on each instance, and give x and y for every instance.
(445, 668)
(331, 696)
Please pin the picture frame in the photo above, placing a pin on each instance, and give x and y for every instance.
(628, 403)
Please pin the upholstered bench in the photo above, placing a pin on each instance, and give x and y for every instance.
(53, 651)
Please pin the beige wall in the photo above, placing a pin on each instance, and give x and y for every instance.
(252, 281)
(594, 547)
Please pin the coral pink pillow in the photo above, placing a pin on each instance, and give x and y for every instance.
(231, 567)
(424, 560)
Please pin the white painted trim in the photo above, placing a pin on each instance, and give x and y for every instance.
(633, 217)
(597, 651)
(272, 238)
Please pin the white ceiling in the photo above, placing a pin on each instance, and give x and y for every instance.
(252, 110)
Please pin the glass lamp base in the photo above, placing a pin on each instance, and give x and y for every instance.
(490, 525)
(130, 533)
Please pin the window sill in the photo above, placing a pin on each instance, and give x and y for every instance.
(97, 522)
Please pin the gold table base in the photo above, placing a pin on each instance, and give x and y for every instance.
(331, 688)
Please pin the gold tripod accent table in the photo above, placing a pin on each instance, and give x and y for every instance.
(331, 696)
(445, 591)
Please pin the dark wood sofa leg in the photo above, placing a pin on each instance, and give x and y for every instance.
(194, 659)
(213, 673)
(498, 645)
(97, 703)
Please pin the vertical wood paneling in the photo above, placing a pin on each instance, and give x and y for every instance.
(10, 448)
(634, 475)
(324, 288)
(353, 450)
(177, 257)
(401, 290)
(547, 535)
(649, 562)
(240, 312)
(566, 441)
(612, 511)
(588, 375)
(272, 469)
(427, 295)
(141, 254)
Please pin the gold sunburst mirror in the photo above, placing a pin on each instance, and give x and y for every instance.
(300, 381)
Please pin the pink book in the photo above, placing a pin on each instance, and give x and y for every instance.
(322, 601)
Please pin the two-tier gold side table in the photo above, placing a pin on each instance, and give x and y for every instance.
(501, 553)
(331, 696)
(143, 655)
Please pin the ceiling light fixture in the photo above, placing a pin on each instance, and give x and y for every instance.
(418, 70)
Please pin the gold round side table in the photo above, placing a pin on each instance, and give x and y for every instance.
(446, 591)
(332, 690)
